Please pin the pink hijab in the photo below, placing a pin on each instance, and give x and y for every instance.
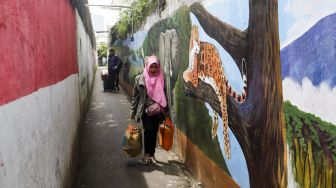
(155, 84)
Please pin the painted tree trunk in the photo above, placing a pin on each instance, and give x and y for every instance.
(266, 130)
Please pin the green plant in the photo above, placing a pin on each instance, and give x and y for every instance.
(131, 19)
(102, 50)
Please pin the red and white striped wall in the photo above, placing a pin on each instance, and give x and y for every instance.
(40, 90)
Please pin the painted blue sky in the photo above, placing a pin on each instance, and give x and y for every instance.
(295, 16)
(234, 12)
(298, 16)
(139, 38)
(237, 164)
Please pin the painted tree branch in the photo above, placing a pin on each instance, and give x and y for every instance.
(232, 39)
(206, 93)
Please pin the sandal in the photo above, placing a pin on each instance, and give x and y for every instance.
(153, 159)
(146, 159)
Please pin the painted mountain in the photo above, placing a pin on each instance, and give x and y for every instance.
(313, 55)
(309, 110)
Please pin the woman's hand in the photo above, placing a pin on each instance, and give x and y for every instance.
(132, 128)
(166, 112)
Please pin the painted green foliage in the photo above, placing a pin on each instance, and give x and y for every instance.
(312, 143)
(196, 127)
(132, 63)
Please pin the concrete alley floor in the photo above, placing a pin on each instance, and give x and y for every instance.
(102, 162)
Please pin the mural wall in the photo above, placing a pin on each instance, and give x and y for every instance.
(254, 96)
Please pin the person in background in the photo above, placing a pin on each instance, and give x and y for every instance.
(114, 65)
(149, 104)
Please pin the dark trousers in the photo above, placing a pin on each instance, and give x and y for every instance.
(151, 126)
(112, 77)
(117, 81)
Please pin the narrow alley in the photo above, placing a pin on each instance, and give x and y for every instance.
(247, 88)
(103, 164)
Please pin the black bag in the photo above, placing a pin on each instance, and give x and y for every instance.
(108, 84)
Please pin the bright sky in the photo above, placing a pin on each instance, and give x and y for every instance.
(110, 16)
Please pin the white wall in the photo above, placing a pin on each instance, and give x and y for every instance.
(36, 136)
(86, 61)
(38, 131)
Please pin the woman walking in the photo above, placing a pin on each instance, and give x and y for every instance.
(149, 104)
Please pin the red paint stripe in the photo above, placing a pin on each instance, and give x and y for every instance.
(37, 46)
